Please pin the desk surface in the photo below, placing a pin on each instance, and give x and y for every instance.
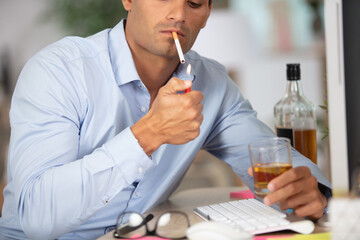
(187, 200)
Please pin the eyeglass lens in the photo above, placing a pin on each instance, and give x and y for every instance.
(131, 225)
(172, 225)
(169, 225)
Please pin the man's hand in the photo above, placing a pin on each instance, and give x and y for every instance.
(296, 189)
(173, 118)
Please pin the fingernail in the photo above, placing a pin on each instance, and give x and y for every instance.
(187, 82)
(271, 186)
(267, 201)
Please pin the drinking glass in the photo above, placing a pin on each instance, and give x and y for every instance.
(269, 158)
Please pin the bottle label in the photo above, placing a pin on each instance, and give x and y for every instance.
(287, 133)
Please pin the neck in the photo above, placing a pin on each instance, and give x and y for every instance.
(154, 71)
(293, 87)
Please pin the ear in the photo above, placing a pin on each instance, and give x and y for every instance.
(210, 7)
(127, 4)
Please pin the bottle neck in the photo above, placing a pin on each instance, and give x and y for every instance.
(293, 88)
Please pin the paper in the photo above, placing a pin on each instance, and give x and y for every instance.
(314, 236)
(345, 218)
(242, 194)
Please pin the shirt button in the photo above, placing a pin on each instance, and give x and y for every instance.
(143, 109)
(140, 170)
(106, 201)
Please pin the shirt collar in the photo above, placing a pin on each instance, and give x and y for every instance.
(123, 64)
(121, 58)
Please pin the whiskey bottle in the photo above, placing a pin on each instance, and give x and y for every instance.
(295, 116)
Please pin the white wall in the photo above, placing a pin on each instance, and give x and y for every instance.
(24, 31)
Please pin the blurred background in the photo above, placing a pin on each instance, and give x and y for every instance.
(254, 39)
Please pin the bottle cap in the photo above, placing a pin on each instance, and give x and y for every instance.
(293, 72)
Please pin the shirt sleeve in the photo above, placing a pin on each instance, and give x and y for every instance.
(237, 125)
(52, 186)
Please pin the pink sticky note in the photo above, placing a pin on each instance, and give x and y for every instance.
(272, 237)
(242, 194)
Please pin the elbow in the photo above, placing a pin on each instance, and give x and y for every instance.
(39, 224)
(38, 215)
(34, 228)
(35, 232)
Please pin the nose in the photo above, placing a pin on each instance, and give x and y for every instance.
(177, 12)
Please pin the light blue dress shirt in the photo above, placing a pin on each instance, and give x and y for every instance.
(74, 164)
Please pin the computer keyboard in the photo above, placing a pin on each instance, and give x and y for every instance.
(253, 216)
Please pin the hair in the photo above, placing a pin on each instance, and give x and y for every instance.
(210, 1)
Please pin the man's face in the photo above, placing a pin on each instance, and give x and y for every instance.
(150, 24)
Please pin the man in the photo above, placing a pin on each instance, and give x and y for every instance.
(101, 126)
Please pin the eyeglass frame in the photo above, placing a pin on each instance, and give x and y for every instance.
(147, 219)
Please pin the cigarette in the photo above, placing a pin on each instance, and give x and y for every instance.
(178, 47)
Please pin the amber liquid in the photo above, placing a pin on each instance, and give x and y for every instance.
(264, 173)
(302, 140)
(305, 143)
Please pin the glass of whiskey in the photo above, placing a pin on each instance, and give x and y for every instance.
(269, 158)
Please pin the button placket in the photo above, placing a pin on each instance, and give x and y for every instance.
(143, 99)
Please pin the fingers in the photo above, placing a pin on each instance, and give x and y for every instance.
(283, 193)
(312, 210)
(300, 193)
(288, 184)
(297, 189)
(193, 118)
(307, 211)
(191, 100)
(302, 199)
(309, 206)
(176, 85)
(172, 118)
(250, 171)
(176, 118)
(287, 177)
(196, 116)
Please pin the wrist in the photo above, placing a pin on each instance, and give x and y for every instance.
(146, 135)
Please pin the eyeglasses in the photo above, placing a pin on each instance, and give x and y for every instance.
(171, 224)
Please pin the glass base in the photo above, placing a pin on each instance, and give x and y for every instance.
(261, 192)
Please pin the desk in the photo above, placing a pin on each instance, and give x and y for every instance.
(187, 200)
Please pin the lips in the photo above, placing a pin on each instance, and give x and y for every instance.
(170, 31)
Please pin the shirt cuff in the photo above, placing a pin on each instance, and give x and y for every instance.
(327, 193)
(128, 155)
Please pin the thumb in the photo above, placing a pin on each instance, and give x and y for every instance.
(250, 171)
(176, 85)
